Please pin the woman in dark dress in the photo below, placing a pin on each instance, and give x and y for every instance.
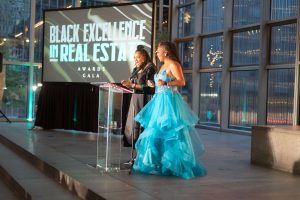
(143, 72)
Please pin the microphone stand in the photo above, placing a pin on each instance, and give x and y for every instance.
(3, 115)
(133, 131)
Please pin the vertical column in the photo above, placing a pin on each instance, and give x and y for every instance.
(174, 19)
(197, 49)
(296, 111)
(31, 61)
(225, 87)
(154, 31)
(160, 15)
(264, 56)
(170, 5)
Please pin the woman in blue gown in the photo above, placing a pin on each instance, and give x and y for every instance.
(169, 144)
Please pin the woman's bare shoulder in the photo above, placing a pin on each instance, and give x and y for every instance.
(174, 65)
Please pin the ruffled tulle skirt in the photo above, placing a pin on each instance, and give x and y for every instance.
(169, 144)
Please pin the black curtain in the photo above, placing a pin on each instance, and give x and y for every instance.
(68, 106)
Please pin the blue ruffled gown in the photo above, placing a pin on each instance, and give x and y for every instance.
(169, 144)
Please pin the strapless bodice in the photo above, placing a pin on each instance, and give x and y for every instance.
(166, 78)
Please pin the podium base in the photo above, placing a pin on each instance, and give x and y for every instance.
(113, 167)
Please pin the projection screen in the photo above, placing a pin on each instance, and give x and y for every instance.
(95, 44)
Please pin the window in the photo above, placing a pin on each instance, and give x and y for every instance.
(186, 53)
(246, 48)
(280, 97)
(210, 98)
(187, 90)
(283, 46)
(246, 12)
(185, 1)
(282, 9)
(14, 30)
(86, 3)
(243, 99)
(213, 15)
(14, 87)
(212, 52)
(186, 20)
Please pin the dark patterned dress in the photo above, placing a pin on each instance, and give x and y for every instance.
(138, 100)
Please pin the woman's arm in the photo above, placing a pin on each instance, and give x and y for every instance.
(149, 75)
(176, 71)
(149, 81)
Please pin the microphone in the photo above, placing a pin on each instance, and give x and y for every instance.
(134, 73)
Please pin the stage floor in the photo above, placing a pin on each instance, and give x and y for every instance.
(227, 158)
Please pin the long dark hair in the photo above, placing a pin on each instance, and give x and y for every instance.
(171, 50)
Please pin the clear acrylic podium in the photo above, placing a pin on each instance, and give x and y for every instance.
(109, 139)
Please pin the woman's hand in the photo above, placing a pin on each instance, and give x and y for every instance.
(161, 82)
(126, 83)
(150, 83)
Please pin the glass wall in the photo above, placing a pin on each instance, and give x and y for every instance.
(86, 3)
(185, 1)
(213, 15)
(283, 45)
(243, 99)
(187, 90)
(40, 6)
(246, 48)
(15, 29)
(14, 95)
(210, 58)
(14, 45)
(15, 90)
(280, 97)
(282, 9)
(230, 74)
(186, 19)
(281, 77)
(210, 99)
(212, 52)
(246, 12)
(186, 52)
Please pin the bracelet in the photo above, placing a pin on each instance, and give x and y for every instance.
(165, 83)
